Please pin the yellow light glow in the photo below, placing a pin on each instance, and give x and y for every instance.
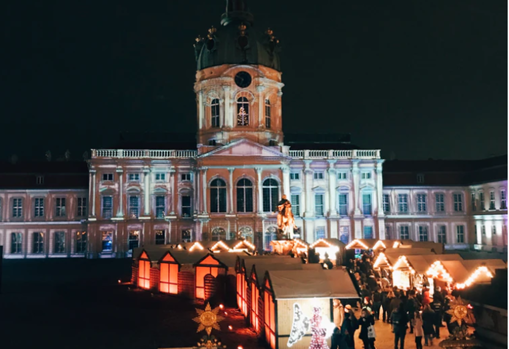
(395, 244)
(474, 277)
(219, 243)
(318, 241)
(382, 258)
(379, 242)
(196, 245)
(353, 243)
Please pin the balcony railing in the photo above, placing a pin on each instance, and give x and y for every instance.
(143, 154)
(335, 154)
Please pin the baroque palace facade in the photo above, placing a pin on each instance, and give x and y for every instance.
(228, 183)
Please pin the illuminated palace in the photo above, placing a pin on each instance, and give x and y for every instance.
(227, 184)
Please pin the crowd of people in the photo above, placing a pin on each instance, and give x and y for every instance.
(408, 311)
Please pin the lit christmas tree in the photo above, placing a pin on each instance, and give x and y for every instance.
(318, 331)
(242, 117)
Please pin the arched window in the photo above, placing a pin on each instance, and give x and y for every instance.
(244, 196)
(214, 112)
(242, 111)
(270, 235)
(246, 233)
(270, 195)
(218, 195)
(267, 113)
(218, 234)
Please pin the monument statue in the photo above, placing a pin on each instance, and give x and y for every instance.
(285, 220)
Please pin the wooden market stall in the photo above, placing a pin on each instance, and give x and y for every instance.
(290, 291)
(331, 248)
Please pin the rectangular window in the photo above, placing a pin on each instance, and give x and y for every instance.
(503, 200)
(320, 233)
(17, 208)
(59, 243)
(267, 113)
(420, 178)
(458, 202)
(342, 175)
(388, 232)
(160, 206)
(368, 232)
(134, 239)
(81, 241)
(318, 175)
(460, 234)
(404, 233)
(492, 200)
(133, 177)
(366, 175)
(16, 243)
(294, 176)
(403, 203)
(493, 230)
(423, 233)
(107, 176)
(439, 202)
(160, 177)
(39, 180)
(295, 204)
(366, 204)
(82, 207)
(473, 202)
(107, 241)
(442, 234)
(160, 237)
(343, 204)
(38, 243)
(344, 234)
(60, 207)
(107, 209)
(319, 204)
(187, 235)
(134, 206)
(186, 205)
(39, 207)
(185, 177)
(387, 203)
(483, 230)
(481, 201)
(422, 203)
(214, 112)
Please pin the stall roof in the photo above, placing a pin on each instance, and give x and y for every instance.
(437, 247)
(365, 244)
(458, 272)
(431, 258)
(259, 262)
(332, 242)
(409, 251)
(419, 263)
(298, 284)
(259, 270)
(490, 263)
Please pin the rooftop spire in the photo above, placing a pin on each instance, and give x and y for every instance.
(236, 10)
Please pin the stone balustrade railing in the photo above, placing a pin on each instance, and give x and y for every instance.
(335, 154)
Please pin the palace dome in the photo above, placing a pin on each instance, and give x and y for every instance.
(237, 41)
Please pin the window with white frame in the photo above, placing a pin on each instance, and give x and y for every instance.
(214, 112)
(403, 203)
(343, 204)
(319, 233)
(107, 207)
(39, 207)
(187, 235)
(133, 239)
(38, 243)
(107, 177)
(218, 234)
(107, 241)
(386, 203)
(59, 242)
(492, 199)
(473, 202)
(423, 233)
(366, 204)
(404, 232)
(270, 193)
(344, 234)
(295, 201)
(342, 175)
(460, 234)
(493, 230)
(17, 208)
(420, 178)
(318, 175)
(160, 237)
(267, 113)
(366, 175)
(82, 207)
(458, 202)
(483, 230)
(81, 241)
(503, 200)
(481, 201)
(160, 177)
(442, 234)
(242, 111)
(368, 232)
(185, 177)
(185, 205)
(60, 207)
(388, 232)
(422, 203)
(439, 202)
(319, 204)
(294, 176)
(134, 206)
(244, 195)
(16, 243)
(160, 206)
(218, 196)
(133, 177)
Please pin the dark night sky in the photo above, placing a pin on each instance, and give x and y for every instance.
(418, 78)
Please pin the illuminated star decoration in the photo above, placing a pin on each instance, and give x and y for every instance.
(208, 319)
(459, 311)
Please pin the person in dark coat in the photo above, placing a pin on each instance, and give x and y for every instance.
(428, 320)
(436, 306)
(350, 325)
(377, 303)
(365, 321)
(399, 320)
(387, 305)
(395, 303)
(411, 307)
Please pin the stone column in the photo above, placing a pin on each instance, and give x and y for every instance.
(308, 186)
(261, 104)
(201, 110)
(120, 210)
(356, 188)
(303, 195)
(227, 107)
(286, 180)
(92, 194)
(204, 188)
(332, 189)
(260, 192)
(230, 190)
(174, 196)
(146, 173)
(379, 188)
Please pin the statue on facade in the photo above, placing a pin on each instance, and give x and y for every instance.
(285, 219)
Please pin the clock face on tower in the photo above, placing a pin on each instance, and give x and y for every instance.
(243, 79)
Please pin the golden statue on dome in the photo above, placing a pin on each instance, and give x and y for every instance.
(285, 219)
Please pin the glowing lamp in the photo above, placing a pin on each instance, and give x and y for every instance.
(240, 347)
(225, 313)
(469, 306)
(221, 306)
(230, 328)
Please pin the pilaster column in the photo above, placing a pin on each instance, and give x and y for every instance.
(356, 187)
(201, 110)
(120, 210)
(221, 112)
(259, 187)
(227, 107)
(303, 195)
(332, 189)
(286, 180)
(230, 189)
(379, 188)
(173, 191)
(146, 173)
(308, 187)
(261, 103)
(92, 194)
(204, 189)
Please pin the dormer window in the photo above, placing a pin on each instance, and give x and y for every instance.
(342, 175)
(242, 111)
(366, 175)
(267, 113)
(107, 176)
(39, 180)
(318, 175)
(134, 177)
(160, 177)
(214, 112)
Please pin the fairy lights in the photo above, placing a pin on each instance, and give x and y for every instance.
(474, 277)
(221, 244)
(381, 258)
(357, 242)
(196, 245)
(379, 242)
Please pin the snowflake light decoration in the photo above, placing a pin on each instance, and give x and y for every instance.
(208, 319)
(459, 311)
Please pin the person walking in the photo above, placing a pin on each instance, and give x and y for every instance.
(377, 303)
(436, 306)
(399, 322)
(428, 320)
(417, 323)
(350, 325)
(338, 315)
(411, 307)
(367, 335)
(387, 305)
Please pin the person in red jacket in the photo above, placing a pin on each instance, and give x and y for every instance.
(425, 297)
